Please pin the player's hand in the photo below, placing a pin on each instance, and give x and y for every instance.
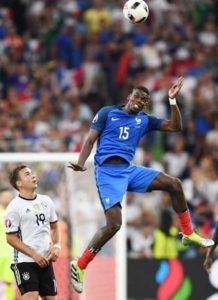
(76, 167)
(174, 90)
(40, 260)
(53, 253)
(207, 264)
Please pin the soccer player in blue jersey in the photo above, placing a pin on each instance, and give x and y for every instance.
(209, 256)
(118, 130)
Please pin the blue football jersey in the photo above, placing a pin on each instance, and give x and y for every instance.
(121, 132)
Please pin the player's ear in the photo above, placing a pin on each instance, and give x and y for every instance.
(147, 99)
(18, 183)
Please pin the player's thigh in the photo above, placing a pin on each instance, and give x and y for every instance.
(49, 298)
(47, 282)
(140, 178)
(163, 182)
(27, 278)
(113, 215)
(30, 296)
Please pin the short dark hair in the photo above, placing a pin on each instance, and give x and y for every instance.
(142, 88)
(14, 175)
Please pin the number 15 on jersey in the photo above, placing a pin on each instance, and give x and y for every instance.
(124, 133)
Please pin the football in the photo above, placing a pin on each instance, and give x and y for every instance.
(136, 11)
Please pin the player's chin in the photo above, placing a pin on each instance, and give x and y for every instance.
(136, 109)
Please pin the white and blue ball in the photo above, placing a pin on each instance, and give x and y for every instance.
(136, 11)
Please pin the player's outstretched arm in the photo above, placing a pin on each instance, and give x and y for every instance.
(85, 152)
(175, 123)
(209, 255)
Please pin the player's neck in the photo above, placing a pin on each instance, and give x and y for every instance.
(30, 195)
(128, 110)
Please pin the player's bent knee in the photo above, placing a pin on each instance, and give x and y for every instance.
(114, 227)
(176, 185)
(49, 298)
(30, 296)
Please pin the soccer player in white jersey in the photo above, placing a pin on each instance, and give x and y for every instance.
(32, 230)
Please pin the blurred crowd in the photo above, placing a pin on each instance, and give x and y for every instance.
(60, 61)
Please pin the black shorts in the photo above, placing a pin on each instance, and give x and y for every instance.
(30, 277)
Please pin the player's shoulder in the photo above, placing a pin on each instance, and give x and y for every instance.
(14, 204)
(42, 197)
(45, 199)
(106, 109)
(102, 114)
(147, 115)
(143, 113)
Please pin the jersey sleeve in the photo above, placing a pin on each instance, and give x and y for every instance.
(154, 123)
(12, 220)
(98, 123)
(53, 215)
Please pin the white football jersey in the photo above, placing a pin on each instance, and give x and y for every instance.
(31, 220)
